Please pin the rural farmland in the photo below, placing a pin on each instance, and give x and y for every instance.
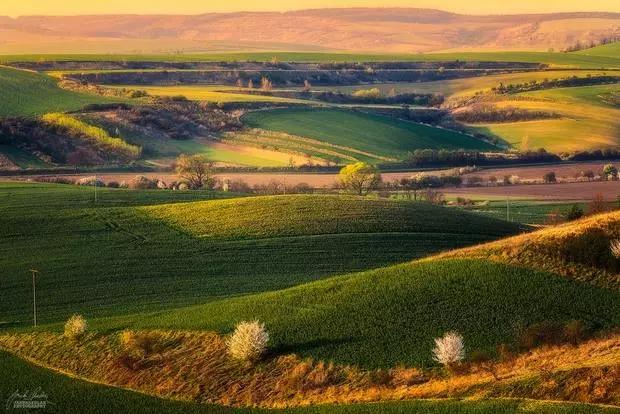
(361, 209)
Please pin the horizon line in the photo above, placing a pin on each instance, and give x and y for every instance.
(540, 13)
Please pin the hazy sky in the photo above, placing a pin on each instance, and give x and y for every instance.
(64, 7)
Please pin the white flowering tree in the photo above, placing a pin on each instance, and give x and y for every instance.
(449, 349)
(248, 342)
(75, 327)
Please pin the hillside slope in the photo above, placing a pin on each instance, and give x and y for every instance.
(390, 316)
(406, 30)
(579, 251)
(376, 135)
(608, 50)
(120, 257)
(26, 93)
(70, 395)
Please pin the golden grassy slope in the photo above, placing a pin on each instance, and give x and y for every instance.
(194, 366)
(578, 250)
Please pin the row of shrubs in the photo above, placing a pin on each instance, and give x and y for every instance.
(249, 341)
(140, 182)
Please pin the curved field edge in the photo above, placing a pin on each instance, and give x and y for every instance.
(67, 394)
(194, 367)
(296, 215)
(371, 133)
(586, 116)
(578, 250)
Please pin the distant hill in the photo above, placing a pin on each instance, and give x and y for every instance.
(364, 29)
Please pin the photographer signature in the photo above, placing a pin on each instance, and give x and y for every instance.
(35, 398)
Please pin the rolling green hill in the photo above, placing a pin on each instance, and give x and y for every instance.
(390, 316)
(611, 50)
(588, 121)
(27, 93)
(119, 257)
(377, 135)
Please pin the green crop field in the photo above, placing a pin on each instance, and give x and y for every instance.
(389, 316)
(588, 120)
(118, 256)
(377, 135)
(556, 59)
(71, 395)
(469, 86)
(27, 93)
(524, 211)
(610, 50)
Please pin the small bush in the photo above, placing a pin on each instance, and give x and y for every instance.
(248, 342)
(449, 350)
(543, 333)
(141, 182)
(54, 180)
(484, 361)
(237, 186)
(75, 327)
(574, 213)
(91, 181)
(138, 344)
(575, 332)
(113, 184)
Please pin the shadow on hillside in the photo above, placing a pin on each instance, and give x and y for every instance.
(303, 347)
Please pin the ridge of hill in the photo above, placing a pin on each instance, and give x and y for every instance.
(407, 30)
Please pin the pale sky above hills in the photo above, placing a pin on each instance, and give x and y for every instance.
(73, 7)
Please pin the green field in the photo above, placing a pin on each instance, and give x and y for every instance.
(390, 316)
(161, 151)
(556, 59)
(27, 93)
(377, 135)
(588, 121)
(70, 395)
(468, 86)
(524, 211)
(610, 50)
(118, 257)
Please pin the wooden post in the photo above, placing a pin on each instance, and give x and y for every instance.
(34, 294)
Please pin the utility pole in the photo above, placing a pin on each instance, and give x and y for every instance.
(507, 208)
(34, 294)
